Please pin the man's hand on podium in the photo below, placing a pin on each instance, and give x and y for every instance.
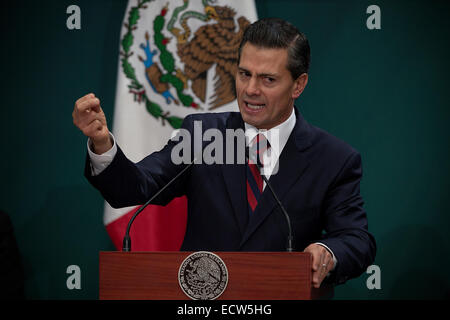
(322, 263)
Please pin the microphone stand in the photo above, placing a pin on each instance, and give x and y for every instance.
(126, 244)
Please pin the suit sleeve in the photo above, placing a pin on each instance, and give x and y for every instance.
(125, 183)
(346, 223)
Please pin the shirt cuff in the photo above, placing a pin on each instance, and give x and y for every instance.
(100, 162)
(332, 254)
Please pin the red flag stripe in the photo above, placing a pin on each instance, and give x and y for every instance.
(157, 228)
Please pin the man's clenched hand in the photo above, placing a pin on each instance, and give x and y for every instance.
(88, 116)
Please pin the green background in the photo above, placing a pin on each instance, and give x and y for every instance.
(383, 91)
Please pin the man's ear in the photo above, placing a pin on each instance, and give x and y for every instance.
(299, 85)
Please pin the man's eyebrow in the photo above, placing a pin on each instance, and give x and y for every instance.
(273, 75)
(243, 69)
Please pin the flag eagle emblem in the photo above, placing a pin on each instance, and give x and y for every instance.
(178, 58)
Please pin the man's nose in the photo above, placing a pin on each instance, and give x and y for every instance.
(252, 87)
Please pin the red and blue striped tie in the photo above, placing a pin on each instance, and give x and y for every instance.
(254, 179)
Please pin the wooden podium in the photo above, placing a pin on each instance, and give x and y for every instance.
(251, 276)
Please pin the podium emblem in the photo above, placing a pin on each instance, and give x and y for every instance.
(203, 276)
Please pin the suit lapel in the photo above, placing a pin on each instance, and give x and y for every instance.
(235, 179)
(292, 164)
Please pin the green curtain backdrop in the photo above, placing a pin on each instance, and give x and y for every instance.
(383, 91)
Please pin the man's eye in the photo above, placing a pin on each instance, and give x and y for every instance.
(270, 80)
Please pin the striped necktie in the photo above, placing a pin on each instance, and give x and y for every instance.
(254, 179)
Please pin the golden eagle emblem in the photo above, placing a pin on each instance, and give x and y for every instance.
(213, 45)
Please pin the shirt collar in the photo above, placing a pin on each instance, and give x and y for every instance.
(277, 136)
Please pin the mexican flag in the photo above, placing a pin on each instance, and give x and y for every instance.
(176, 58)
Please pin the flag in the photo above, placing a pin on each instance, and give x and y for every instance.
(176, 58)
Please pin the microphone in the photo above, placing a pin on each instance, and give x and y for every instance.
(290, 239)
(126, 244)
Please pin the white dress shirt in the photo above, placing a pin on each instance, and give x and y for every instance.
(277, 138)
(99, 162)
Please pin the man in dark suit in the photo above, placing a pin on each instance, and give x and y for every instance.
(315, 175)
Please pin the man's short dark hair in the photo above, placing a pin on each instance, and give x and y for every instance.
(274, 33)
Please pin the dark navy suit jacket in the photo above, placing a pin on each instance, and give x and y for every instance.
(318, 182)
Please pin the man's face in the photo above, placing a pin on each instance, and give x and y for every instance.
(264, 86)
